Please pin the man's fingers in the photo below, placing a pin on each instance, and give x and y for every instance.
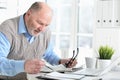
(33, 66)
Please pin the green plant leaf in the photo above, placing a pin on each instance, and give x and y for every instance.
(105, 52)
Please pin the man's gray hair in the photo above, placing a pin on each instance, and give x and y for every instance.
(36, 6)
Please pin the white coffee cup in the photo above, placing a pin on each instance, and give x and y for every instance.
(91, 62)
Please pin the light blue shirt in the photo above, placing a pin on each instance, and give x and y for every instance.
(12, 67)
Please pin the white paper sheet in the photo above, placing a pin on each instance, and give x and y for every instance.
(64, 76)
(58, 68)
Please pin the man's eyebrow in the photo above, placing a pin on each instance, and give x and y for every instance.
(40, 22)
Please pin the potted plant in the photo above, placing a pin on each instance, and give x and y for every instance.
(105, 52)
(105, 55)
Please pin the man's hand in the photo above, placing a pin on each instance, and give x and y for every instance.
(64, 61)
(33, 66)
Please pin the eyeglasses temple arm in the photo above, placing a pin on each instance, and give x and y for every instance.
(70, 59)
(74, 57)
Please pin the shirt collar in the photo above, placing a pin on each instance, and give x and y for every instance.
(23, 30)
(22, 27)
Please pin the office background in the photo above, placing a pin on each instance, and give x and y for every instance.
(85, 24)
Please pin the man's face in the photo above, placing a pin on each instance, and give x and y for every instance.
(38, 21)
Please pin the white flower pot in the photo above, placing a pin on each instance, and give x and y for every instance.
(103, 63)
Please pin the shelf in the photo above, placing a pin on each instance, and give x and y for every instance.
(3, 8)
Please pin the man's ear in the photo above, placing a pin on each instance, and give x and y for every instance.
(28, 12)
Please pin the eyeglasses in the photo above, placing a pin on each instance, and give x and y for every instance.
(73, 58)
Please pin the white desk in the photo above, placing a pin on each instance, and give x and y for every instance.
(112, 75)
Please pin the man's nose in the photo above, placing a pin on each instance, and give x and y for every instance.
(41, 28)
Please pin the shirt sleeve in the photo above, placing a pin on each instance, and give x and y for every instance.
(8, 67)
(50, 56)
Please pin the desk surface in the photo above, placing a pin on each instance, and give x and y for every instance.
(112, 75)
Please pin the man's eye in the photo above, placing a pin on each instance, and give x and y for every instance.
(41, 23)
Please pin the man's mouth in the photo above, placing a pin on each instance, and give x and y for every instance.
(37, 31)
